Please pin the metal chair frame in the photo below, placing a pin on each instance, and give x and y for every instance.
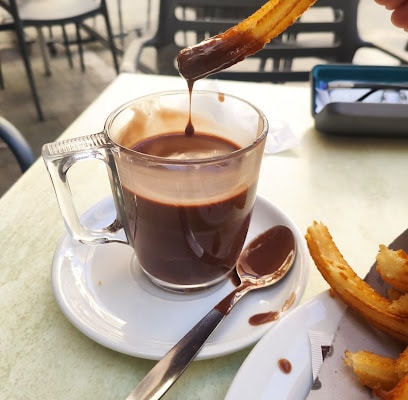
(17, 25)
(213, 16)
(34, 14)
(17, 144)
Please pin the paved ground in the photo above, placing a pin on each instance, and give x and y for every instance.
(68, 92)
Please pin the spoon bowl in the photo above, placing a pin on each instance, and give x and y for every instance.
(267, 258)
(263, 262)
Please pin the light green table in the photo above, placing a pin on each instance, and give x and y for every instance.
(357, 187)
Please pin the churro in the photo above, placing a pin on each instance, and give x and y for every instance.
(240, 41)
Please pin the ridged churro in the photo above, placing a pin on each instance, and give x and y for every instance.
(240, 41)
(387, 377)
(353, 290)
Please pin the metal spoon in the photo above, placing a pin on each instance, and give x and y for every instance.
(265, 261)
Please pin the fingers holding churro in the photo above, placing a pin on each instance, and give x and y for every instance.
(399, 16)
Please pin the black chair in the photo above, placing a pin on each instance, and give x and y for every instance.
(17, 144)
(17, 25)
(327, 32)
(182, 23)
(48, 13)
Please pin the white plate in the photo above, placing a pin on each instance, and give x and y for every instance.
(106, 297)
(260, 376)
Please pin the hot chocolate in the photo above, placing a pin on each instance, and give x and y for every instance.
(178, 145)
(203, 236)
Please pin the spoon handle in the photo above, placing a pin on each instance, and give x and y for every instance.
(162, 376)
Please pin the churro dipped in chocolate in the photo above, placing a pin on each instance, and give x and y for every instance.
(240, 41)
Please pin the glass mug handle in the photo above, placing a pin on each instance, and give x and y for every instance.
(59, 157)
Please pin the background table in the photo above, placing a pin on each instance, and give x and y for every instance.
(358, 187)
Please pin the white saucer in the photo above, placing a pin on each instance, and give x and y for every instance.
(288, 340)
(112, 302)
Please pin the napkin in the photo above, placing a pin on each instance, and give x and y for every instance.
(280, 136)
(321, 347)
(337, 381)
(345, 92)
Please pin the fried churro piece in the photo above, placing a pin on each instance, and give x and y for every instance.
(354, 291)
(401, 365)
(373, 370)
(238, 42)
(379, 373)
(392, 265)
(399, 392)
(400, 305)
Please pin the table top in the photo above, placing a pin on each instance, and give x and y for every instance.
(357, 187)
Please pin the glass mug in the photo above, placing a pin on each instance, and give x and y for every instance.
(184, 202)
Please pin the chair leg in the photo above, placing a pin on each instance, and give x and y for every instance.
(44, 51)
(1, 77)
(110, 35)
(122, 33)
(29, 71)
(66, 46)
(80, 50)
(149, 15)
